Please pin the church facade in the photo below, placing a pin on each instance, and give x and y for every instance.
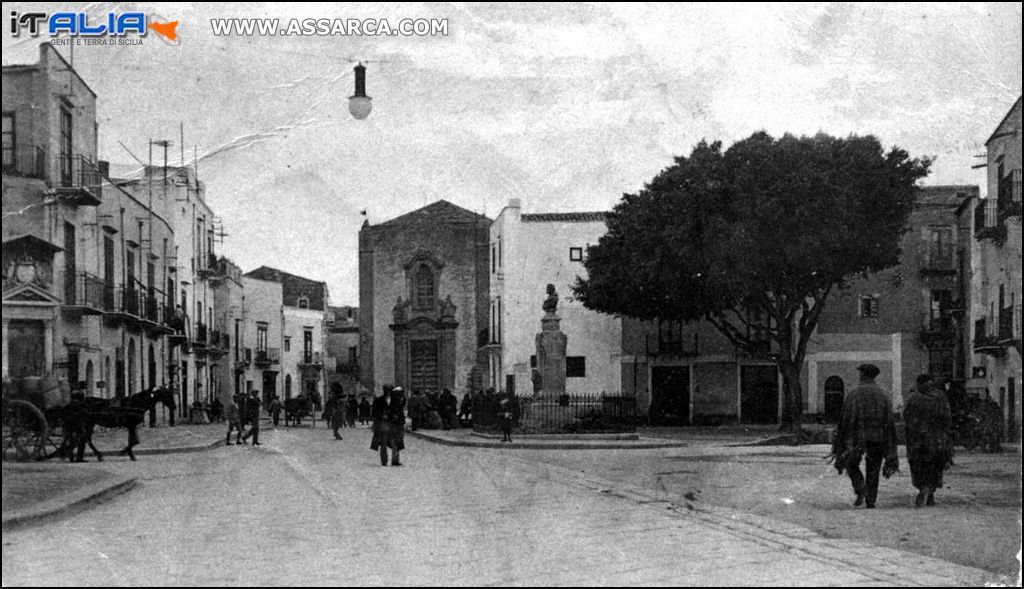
(423, 296)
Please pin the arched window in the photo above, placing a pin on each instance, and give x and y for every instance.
(424, 288)
(834, 392)
(151, 367)
(90, 378)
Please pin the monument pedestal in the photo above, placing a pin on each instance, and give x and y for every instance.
(551, 346)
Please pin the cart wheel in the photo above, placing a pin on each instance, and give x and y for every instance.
(25, 432)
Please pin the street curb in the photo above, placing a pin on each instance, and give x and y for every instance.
(78, 500)
(180, 450)
(548, 445)
(885, 565)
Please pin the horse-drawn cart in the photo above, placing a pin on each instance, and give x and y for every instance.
(27, 433)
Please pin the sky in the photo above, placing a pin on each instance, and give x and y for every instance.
(565, 107)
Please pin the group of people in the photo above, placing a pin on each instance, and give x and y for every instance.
(342, 412)
(423, 406)
(242, 411)
(867, 431)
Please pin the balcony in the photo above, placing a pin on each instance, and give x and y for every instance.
(208, 266)
(348, 368)
(122, 304)
(986, 222)
(1008, 197)
(940, 262)
(985, 341)
(939, 332)
(219, 343)
(311, 361)
(268, 357)
(25, 161)
(85, 295)
(79, 180)
(200, 335)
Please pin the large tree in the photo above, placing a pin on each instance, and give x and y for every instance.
(754, 239)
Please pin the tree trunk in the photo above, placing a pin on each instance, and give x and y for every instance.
(793, 399)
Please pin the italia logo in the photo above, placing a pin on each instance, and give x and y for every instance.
(80, 24)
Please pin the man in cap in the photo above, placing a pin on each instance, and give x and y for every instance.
(866, 430)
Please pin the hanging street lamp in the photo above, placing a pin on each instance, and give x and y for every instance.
(359, 104)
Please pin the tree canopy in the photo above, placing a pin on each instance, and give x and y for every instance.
(755, 237)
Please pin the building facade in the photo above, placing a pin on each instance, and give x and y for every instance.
(528, 251)
(229, 302)
(85, 260)
(342, 349)
(260, 364)
(290, 310)
(196, 346)
(907, 320)
(423, 299)
(995, 307)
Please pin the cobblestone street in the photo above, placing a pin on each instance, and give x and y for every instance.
(304, 509)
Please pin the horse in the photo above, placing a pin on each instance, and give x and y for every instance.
(79, 420)
(296, 408)
(147, 401)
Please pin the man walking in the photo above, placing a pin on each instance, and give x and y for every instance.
(334, 410)
(275, 409)
(234, 419)
(252, 410)
(388, 413)
(929, 447)
(866, 430)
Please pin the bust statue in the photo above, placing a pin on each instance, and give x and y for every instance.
(551, 303)
(400, 311)
(448, 308)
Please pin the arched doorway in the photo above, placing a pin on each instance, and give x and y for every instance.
(90, 380)
(288, 386)
(834, 392)
(133, 367)
(151, 368)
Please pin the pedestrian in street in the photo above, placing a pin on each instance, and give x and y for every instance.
(505, 412)
(466, 410)
(252, 411)
(216, 410)
(364, 411)
(353, 410)
(416, 409)
(929, 444)
(275, 408)
(396, 424)
(388, 413)
(334, 410)
(866, 430)
(234, 419)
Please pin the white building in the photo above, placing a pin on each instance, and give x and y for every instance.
(528, 252)
(262, 336)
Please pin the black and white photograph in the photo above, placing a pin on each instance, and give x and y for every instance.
(506, 294)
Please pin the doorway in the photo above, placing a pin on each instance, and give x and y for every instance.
(759, 394)
(269, 386)
(423, 374)
(670, 395)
